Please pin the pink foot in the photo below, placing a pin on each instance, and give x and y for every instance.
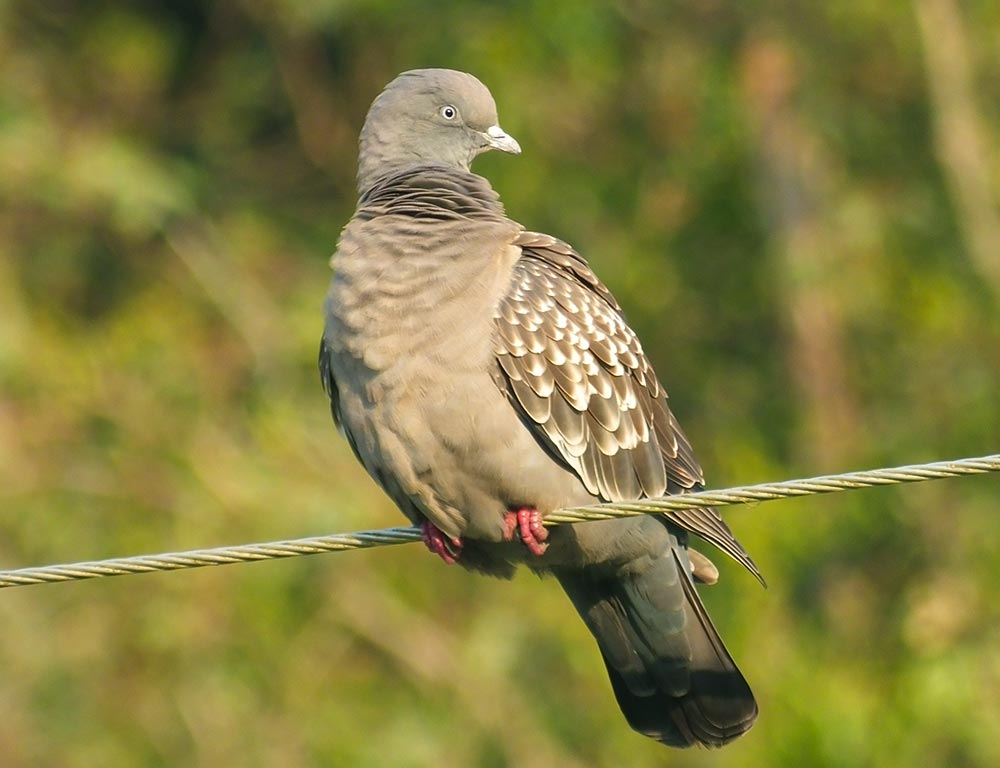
(445, 547)
(528, 523)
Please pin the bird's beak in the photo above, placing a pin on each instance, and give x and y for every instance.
(497, 139)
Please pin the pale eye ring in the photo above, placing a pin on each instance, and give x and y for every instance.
(448, 112)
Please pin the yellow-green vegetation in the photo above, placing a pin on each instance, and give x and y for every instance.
(799, 206)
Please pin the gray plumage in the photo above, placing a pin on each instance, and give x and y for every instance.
(478, 368)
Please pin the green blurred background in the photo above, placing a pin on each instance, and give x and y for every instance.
(796, 202)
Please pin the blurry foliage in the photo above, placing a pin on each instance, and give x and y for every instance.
(773, 191)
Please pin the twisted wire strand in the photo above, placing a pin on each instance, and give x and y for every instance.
(748, 494)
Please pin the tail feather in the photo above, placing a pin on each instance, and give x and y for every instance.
(670, 671)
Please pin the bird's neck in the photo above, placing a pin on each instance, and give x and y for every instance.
(430, 191)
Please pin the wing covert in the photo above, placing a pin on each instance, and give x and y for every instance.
(578, 377)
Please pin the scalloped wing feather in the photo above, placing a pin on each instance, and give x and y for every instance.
(576, 373)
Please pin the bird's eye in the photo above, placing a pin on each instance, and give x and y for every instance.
(448, 112)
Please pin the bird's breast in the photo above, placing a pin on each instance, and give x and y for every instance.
(417, 298)
(410, 323)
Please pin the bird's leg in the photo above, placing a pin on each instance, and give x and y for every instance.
(445, 547)
(528, 523)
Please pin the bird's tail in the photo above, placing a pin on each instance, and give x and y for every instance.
(673, 677)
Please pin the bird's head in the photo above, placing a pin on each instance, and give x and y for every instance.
(430, 116)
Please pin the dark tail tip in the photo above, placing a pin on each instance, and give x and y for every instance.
(719, 708)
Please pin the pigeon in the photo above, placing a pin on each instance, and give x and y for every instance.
(484, 376)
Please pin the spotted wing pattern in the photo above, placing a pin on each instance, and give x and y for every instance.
(577, 375)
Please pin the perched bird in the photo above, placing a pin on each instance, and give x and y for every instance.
(484, 376)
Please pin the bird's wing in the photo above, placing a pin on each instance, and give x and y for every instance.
(330, 387)
(578, 378)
